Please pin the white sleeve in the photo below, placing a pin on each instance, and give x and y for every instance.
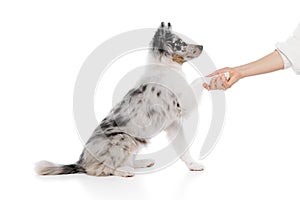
(290, 51)
(286, 62)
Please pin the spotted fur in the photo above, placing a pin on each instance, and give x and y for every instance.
(135, 119)
(166, 44)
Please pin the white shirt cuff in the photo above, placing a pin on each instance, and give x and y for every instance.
(286, 62)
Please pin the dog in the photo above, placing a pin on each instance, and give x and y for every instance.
(134, 120)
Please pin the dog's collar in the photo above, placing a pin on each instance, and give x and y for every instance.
(177, 58)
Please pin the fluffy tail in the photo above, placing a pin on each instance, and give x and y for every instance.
(48, 168)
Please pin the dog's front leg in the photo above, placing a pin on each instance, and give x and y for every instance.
(179, 144)
(197, 87)
(190, 163)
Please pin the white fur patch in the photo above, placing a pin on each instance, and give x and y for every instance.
(47, 168)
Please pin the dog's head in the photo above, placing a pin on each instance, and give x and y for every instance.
(167, 44)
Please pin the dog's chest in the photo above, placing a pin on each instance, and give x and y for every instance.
(151, 108)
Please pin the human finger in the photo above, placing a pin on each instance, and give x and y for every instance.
(213, 83)
(206, 86)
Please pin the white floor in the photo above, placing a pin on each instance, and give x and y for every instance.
(239, 168)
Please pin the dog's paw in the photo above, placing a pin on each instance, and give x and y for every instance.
(127, 174)
(150, 163)
(143, 163)
(125, 171)
(194, 166)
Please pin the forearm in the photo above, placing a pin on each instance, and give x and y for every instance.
(269, 63)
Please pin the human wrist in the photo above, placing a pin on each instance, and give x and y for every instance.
(240, 71)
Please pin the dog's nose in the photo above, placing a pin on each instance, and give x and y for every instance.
(200, 47)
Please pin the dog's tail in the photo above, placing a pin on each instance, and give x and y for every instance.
(48, 168)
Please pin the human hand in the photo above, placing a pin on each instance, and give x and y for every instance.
(220, 82)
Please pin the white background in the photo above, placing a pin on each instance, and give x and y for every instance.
(42, 47)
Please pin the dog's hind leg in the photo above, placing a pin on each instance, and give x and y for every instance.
(125, 171)
(128, 171)
(143, 163)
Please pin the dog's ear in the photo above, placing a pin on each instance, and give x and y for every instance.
(158, 40)
(169, 26)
